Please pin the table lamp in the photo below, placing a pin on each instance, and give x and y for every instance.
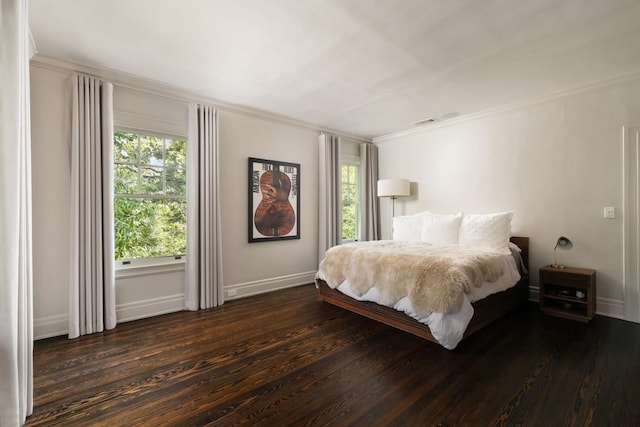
(564, 243)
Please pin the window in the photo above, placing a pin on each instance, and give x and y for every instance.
(150, 206)
(350, 195)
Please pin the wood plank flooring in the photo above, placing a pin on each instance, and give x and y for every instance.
(286, 358)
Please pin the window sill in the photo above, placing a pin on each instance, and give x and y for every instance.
(128, 271)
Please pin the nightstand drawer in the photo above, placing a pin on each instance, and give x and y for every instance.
(553, 278)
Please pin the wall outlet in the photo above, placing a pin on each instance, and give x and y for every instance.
(609, 213)
(232, 292)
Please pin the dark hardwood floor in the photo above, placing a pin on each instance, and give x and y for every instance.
(285, 358)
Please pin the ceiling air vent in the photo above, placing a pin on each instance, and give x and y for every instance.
(425, 121)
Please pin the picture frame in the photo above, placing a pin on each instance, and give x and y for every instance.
(274, 200)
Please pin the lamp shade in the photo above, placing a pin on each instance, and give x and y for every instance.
(393, 187)
(564, 242)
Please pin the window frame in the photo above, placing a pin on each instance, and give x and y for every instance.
(134, 266)
(351, 160)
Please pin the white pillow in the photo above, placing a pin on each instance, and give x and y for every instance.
(441, 229)
(491, 231)
(408, 227)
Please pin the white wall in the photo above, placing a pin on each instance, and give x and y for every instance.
(256, 267)
(51, 182)
(248, 268)
(556, 163)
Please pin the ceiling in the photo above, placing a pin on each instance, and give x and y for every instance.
(364, 67)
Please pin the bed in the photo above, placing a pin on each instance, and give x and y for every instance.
(484, 309)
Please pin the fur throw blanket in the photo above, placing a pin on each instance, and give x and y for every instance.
(434, 278)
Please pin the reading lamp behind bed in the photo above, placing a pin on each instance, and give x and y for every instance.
(393, 188)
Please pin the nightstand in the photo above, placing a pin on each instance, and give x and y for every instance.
(568, 292)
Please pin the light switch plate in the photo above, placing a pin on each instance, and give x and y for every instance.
(609, 212)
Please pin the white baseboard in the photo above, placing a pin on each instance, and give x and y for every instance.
(53, 326)
(50, 326)
(149, 308)
(256, 287)
(610, 308)
(604, 306)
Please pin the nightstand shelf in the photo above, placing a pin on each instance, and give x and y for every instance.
(568, 292)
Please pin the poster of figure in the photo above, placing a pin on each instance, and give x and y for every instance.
(274, 200)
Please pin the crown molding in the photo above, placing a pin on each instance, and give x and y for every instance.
(177, 93)
(509, 107)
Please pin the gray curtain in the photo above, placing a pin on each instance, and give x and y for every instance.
(370, 211)
(329, 194)
(92, 306)
(16, 313)
(204, 284)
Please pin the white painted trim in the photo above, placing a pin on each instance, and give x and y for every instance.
(631, 227)
(53, 326)
(50, 326)
(155, 87)
(610, 308)
(149, 308)
(59, 325)
(139, 122)
(506, 108)
(149, 270)
(240, 290)
(32, 45)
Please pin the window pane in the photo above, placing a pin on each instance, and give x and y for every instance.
(349, 201)
(147, 228)
(151, 149)
(353, 172)
(153, 223)
(151, 180)
(176, 181)
(349, 222)
(176, 152)
(125, 147)
(126, 179)
(349, 194)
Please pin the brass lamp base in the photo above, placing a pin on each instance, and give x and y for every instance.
(557, 266)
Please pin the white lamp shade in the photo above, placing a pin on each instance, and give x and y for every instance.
(393, 187)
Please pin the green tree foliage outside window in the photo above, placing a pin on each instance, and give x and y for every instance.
(150, 196)
(349, 201)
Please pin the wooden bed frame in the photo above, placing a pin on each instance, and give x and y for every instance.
(486, 310)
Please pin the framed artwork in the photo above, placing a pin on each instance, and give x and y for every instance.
(274, 200)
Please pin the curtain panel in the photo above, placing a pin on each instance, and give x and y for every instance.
(16, 307)
(92, 306)
(204, 280)
(370, 212)
(329, 194)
